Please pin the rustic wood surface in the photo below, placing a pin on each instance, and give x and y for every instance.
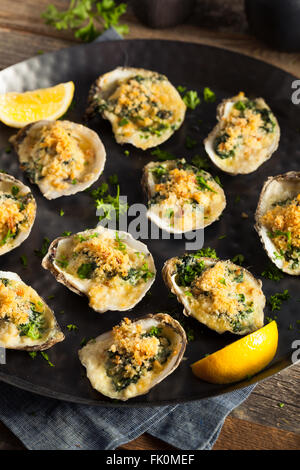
(260, 422)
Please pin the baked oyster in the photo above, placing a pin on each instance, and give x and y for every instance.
(247, 134)
(135, 356)
(17, 212)
(110, 267)
(143, 107)
(278, 221)
(181, 197)
(219, 294)
(26, 321)
(61, 157)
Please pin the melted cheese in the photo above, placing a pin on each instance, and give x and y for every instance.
(183, 202)
(17, 300)
(56, 155)
(245, 136)
(127, 339)
(14, 216)
(283, 222)
(114, 271)
(226, 298)
(144, 110)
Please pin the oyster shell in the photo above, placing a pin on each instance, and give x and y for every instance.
(95, 356)
(18, 210)
(35, 331)
(175, 212)
(110, 267)
(219, 294)
(143, 107)
(248, 149)
(280, 196)
(61, 157)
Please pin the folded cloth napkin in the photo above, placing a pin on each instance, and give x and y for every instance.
(48, 424)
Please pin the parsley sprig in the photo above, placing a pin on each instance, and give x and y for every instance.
(87, 18)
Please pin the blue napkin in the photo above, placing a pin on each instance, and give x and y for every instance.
(48, 424)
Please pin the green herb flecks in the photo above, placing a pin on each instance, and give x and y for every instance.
(24, 261)
(188, 268)
(275, 301)
(272, 273)
(88, 19)
(46, 357)
(208, 95)
(86, 270)
(43, 250)
(162, 155)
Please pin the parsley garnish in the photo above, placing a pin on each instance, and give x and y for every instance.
(276, 300)
(203, 184)
(190, 143)
(66, 234)
(46, 357)
(123, 122)
(15, 190)
(208, 95)
(121, 245)
(8, 235)
(238, 259)
(113, 179)
(191, 99)
(201, 162)
(72, 327)
(206, 253)
(87, 18)
(162, 155)
(272, 273)
(24, 261)
(61, 212)
(85, 270)
(107, 203)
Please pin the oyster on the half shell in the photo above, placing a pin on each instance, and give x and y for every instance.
(181, 197)
(246, 136)
(278, 220)
(135, 356)
(143, 107)
(26, 321)
(61, 157)
(219, 294)
(17, 212)
(110, 267)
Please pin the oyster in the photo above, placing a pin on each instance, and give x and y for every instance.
(246, 135)
(278, 220)
(61, 157)
(17, 212)
(181, 197)
(219, 294)
(110, 267)
(143, 107)
(26, 321)
(134, 356)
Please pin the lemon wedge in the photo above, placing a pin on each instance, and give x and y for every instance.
(20, 109)
(241, 359)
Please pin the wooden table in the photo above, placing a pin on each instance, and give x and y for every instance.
(260, 423)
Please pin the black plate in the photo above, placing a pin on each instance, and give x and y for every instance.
(193, 66)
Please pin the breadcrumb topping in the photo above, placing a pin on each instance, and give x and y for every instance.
(283, 221)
